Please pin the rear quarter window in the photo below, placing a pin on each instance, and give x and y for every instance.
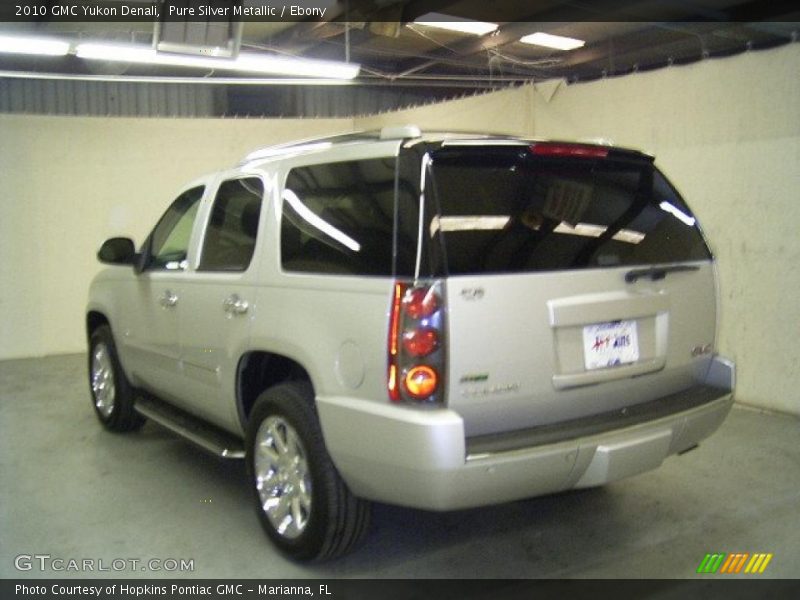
(337, 218)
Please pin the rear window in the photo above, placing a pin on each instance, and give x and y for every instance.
(501, 210)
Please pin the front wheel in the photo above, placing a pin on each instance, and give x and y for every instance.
(112, 394)
(303, 504)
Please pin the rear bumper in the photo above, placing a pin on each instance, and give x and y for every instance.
(422, 459)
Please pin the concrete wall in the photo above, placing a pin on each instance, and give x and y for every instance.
(507, 111)
(68, 183)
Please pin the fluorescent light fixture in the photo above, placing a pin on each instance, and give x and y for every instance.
(193, 80)
(548, 40)
(456, 24)
(33, 45)
(248, 62)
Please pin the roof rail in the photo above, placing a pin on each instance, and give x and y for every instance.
(387, 133)
(400, 132)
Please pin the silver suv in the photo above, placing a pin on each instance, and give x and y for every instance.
(437, 321)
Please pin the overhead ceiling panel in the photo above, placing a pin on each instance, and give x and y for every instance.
(407, 60)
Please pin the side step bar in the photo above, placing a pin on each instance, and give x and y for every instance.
(207, 436)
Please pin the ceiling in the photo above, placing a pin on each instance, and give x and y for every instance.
(408, 60)
(620, 37)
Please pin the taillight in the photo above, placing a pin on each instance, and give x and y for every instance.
(416, 343)
(420, 341)
(420, 302)
(420, 382)
(572, 150)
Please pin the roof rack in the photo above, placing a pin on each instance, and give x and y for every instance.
(387, 133)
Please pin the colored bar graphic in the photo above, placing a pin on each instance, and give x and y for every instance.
(758, 563)
(734, 563)
(711, 563)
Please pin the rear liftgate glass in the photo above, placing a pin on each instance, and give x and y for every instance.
(551, 207)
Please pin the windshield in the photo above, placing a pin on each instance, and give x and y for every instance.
(502, 209)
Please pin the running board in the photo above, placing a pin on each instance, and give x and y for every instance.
(205, 435)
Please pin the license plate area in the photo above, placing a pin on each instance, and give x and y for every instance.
(610, 344)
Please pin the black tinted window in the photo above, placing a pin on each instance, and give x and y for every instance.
(231, 233)
(169, 241)
(505, 210)
(338, 218)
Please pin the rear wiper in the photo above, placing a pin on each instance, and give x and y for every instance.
(656, 273)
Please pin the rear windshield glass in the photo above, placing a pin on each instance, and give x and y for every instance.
(505, 210)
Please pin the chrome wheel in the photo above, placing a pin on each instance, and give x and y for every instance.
(282, 477)
(103, 387)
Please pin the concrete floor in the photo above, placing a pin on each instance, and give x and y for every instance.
(72, 490)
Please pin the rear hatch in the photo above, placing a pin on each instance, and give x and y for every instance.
(577, 282)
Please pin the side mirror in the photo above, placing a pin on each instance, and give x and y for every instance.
(117, 251)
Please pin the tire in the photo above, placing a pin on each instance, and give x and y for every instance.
(303, 505)
(112, 394)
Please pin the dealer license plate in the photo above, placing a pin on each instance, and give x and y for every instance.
(610, 344)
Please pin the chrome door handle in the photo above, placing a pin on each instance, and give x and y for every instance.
(168, 299)
(234, 305)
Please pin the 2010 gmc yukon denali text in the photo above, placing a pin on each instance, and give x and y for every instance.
(437, 321)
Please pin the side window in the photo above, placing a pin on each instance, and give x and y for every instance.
(338, 218)
(231, 233)
(169, 241)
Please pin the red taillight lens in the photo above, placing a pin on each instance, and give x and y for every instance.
(420, 342)
(394, 332)
(420, 382)
(419, 303)
(576, 150)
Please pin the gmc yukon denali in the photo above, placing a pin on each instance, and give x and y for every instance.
(433, 320)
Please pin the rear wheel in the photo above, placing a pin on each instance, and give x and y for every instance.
(112, 395)
(302, 502)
